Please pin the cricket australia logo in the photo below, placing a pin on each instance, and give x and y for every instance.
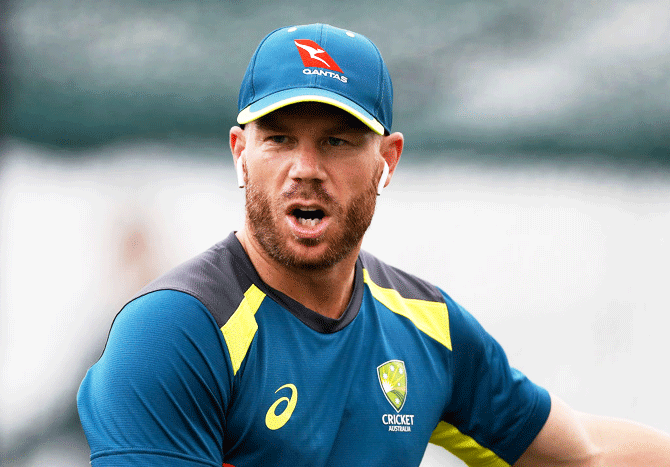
(393, 381)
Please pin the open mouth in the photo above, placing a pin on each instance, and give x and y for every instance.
(308, 217)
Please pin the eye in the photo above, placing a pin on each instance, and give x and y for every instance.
(278, 139)
(333, 141)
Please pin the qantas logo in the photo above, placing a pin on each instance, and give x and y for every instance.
(314, 56)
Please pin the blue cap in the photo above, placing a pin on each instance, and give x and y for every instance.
(318, 63)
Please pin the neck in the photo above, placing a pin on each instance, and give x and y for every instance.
(326, 292)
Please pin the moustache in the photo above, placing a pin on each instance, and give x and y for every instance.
(312, 190)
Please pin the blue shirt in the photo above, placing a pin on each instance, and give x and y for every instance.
(208, 365)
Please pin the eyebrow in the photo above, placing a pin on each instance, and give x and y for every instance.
(347, 127)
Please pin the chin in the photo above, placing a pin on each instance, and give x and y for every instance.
(313, 255)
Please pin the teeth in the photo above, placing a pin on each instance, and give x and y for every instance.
(308, 222)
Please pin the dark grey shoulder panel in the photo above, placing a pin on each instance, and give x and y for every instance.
(407, 285)
(218, 278)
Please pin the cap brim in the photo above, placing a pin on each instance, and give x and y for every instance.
(292, 96)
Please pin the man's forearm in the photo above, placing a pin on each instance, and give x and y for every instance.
(625, 443)
(574, 439)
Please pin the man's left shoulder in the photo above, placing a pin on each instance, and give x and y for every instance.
(407, 285)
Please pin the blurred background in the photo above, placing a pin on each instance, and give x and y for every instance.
(534, 188)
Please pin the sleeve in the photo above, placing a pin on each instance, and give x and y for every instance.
(495, 411)
(159, 392)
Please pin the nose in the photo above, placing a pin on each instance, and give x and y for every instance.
(307, 163)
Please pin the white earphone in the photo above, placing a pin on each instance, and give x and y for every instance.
(240, 172)
(382, 180)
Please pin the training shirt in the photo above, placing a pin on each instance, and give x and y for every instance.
(208, 365)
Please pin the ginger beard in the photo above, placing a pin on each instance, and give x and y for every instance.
(343, 235)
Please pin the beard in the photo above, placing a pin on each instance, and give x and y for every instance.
(343, 235)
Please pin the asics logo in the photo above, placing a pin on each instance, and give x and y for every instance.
(313, 55)
(275, 421)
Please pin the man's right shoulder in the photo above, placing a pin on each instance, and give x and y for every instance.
(217, 278)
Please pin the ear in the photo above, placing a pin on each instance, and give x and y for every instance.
(237, 145)
(391, 150)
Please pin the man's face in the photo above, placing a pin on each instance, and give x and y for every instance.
(311, 171)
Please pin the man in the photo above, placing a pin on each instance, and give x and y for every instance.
(287, 345)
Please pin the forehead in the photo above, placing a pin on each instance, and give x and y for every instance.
(311, 113)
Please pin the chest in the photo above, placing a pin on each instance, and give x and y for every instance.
(376, 388)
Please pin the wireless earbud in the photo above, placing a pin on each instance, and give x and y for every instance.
(382, 180)
(240, 172)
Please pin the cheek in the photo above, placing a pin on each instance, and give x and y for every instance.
(360, 177)
(266, 174)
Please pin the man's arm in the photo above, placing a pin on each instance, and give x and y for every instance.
(575, 439)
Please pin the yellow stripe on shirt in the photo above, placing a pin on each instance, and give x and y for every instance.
(240, 329)
(464, 447)
(432, 318)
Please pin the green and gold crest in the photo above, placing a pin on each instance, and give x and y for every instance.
(393, 380)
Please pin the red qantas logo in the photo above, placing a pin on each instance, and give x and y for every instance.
(314, 56)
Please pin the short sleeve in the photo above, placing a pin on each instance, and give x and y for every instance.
(158, 395)
(495, 407)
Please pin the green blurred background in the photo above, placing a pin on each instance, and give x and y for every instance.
(559, 78)
(534, 188)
